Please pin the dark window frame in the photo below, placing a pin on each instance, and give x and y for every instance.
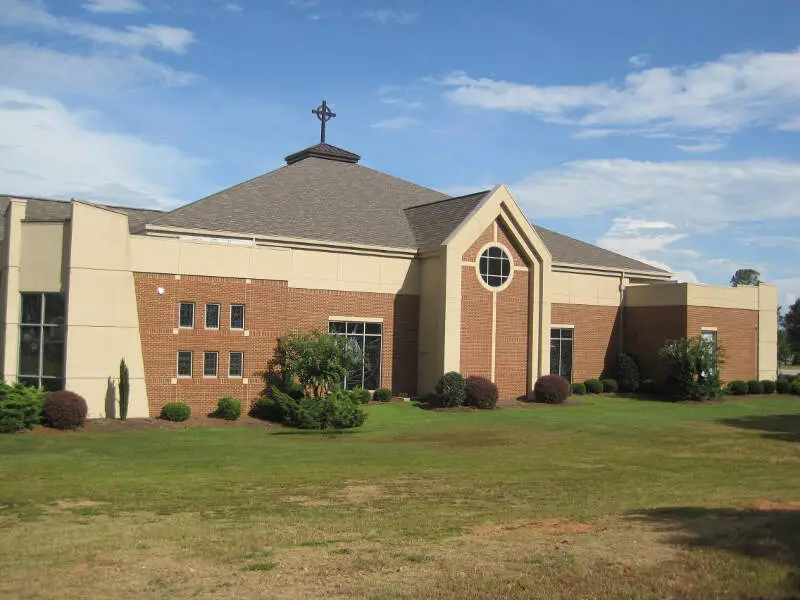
(191, 364)
(495, 267)
(56, 328)
(355, 330)
(243, 317)
(241, 364)
(219, 314)
(560, 336)
(206, 354)
(180, 315)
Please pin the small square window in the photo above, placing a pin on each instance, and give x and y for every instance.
(210, 360)
(186, 316)
(236, 364)
(237, 316)
(184, 364)
(212, 316)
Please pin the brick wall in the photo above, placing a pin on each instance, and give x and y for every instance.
(737, 334)
(476, 326)
(487, 236)
(597, 337)
(271, 309)
(511, 353)
(647, 329)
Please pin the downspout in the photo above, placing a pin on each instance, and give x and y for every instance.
(622, 311)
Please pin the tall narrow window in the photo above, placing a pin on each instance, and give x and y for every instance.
(561, 341)
(365, 340)
(212, 316)
(237, 316)
(210, 361)
(42, 340)
(710, 335)
(184, 363)
(235, 364)
(186, 315)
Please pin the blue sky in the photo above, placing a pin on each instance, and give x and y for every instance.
(666, 130)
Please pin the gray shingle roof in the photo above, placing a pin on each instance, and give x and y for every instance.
(433, 222)
(323, 151)
(315, 199)
(565, 249)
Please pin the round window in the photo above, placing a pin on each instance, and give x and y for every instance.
(494, 267)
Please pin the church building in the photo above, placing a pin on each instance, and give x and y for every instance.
(194, 299)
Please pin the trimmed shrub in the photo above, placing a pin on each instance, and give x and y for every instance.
(550, 389)
(768, 386)
(481, 393)
(229, 409)
(609, 385)
(124, 389)
(579, 389)
(361, 395)
(783, 386)
(737, 388)
(339, 410)
(626, 372)
(64, 410)
(796, 387)
(176, 411)
(754, 387)
(451, 389)
(382, 395)
(20, 407)
(692, 367)
(648, 386)
(593, 386)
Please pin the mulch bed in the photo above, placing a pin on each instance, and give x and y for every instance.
(115, 425)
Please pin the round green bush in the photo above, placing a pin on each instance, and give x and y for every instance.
(451, 390)
(738, 388)
(609, 385)
(550, 389)
(648, 386)
(783, 385)
(768, 386)
(754, 387)
(64, 410)
(796, 387)
(579, 389)
(176, 411)
(481, 393)
(229, 409)
(627, 373)
(361, 395)
(593, 386)
(20, 407)
(382, 395)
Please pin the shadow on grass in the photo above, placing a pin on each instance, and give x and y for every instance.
(334, 433)
(770, 534)
(785, 428)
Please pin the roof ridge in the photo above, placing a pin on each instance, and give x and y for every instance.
(448, 199)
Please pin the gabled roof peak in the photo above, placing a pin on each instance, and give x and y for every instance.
(324, 151)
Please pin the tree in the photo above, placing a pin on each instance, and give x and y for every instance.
(790, 322)
(746, 277)
(318, 361)
(124, 389)
(785, 351)
(692, 368)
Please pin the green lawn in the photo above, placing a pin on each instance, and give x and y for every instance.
(618, 498)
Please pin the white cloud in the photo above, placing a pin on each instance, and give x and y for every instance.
(44, 71)
(639, 61)
(115, 6)
(396, 123)
(304, 4)
(788, 290)
(233, 7)
(638, 237)
(700, 195)
(701, 148)
(403, 103)
(32, 13)
(725, 95)
(773, 241)
(50, 150)
(387, 16)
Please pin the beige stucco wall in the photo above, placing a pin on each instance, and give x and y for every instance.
(11, 256)
(102, 319)
(582, 288)
(656, 294)
(767, 331)
(310, 269)
(431, 322)
(42, 267)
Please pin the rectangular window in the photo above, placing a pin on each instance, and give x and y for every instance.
(365, 339)
(184, 364)
(235, 364)
(212, 316)
(561, 342)
(186, 315)
(42, 340)
(237, 316)
(710, 335)
(210, 360)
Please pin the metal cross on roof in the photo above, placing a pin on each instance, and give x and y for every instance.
(324, 114)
